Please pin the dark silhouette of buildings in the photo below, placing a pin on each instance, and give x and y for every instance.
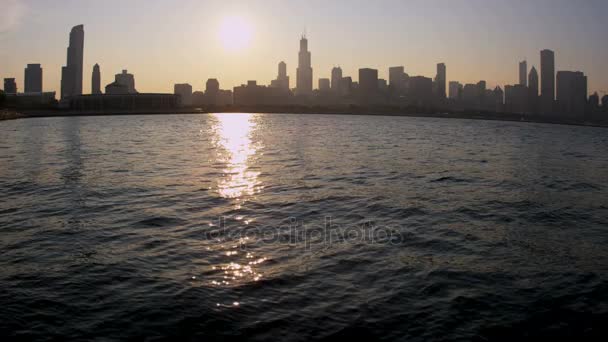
(533, 105)
(124, 102)
(368, 85)
(127, 80)
(117, 88)
(33, 79)
(336, 78)
(397, 81)
(346, 86)
(571, 94)
(10, 86)
(304, 72)
(253, 94)
(215, 96)
(324, 85)
(455, 90)
(71, 74)
(523, 73)
(516, 98)
(605, 103)
(547, 79)
(420, 91)
(184, 91)
(440, 81)
(282, 80)
(96, 80)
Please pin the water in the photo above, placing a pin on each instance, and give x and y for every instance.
(301, 227)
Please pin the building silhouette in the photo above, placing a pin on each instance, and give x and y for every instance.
(71, 74)
(516, 98)
(336, 78)
(368, 85)
(547, 79)
(10, 86)
(571, 93)
(117, 88)
(33, 79)
(440, 81)
(346, 86)
(184, 91)
(304, 72)
(282, 80)
(397, 80)
(533, 91)
(523, 73)
(96, 80)
(455, 90)
(420, 90)
(127, 80)
(324, 85)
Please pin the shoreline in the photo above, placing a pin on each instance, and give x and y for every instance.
(8, 114)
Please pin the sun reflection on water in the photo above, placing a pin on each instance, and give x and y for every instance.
(235, 149)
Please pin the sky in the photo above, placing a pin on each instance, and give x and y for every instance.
(163, 42)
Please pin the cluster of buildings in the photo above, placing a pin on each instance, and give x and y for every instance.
(562, 95)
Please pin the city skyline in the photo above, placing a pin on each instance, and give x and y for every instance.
(327, 52)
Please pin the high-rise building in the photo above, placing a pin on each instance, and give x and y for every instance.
(212, 87)
(440, 81)
(336, 78)
(33, 79)
(324, 84)
(395, 77)
(523, 73)
(605, 102)
(184, 91)
(382, 84)
(282, 80)
(10, 86)
(571, 93)
(455, 90)
(421, 90)
(533, 91)
(71, 74)
(516, 98)
(346, 86)
(96, 80)
(304, 72)
(547, 80)
(127, 80)
(368, 81)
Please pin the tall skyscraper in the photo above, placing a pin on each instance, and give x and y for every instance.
(282, 80)
(10, 86)
(33, 78)
(96, 80)
(440, 81)
(533, 90)
(304, 72)
(547, 80)
(523, 73)
(336, 78)
(71, 74)
(571, 93)
(368, 80)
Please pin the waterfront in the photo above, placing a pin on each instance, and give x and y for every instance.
(183, 225)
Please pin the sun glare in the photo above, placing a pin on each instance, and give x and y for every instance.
(235, 33)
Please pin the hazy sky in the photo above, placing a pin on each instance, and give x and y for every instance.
(165, 42)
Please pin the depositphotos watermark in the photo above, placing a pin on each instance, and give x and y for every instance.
(297, 232)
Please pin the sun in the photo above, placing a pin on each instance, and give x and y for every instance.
(235, 33)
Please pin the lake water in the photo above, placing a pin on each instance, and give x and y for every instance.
(301, 227)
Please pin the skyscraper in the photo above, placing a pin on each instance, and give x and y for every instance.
(440, 81)
(571, 93)
(304, 72)
(33, 78)
(455, 90)
(336, 78)
(324, 84)
(533, 90)
(96, 80)
(368, 80)
(547, 79)
(10, 86)
(282, 80)
(71, 74)
(523, 73)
